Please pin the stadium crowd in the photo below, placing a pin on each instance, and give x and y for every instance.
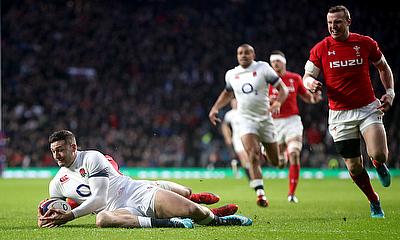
(136, 79)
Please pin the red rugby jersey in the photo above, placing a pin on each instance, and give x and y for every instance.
(294, 83)
(345, 66)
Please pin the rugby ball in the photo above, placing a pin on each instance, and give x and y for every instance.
(53, 203)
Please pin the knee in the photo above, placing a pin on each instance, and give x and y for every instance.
(254, 154)
(194, 210)
(102, 219)
(380, 156)
(187, 191)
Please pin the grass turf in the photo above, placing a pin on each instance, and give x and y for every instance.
(328, 209)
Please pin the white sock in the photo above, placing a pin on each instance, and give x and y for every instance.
(144, 222)
(260, 192)
(207, 220)
(256, 182)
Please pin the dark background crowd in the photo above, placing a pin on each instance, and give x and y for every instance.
(136, 79)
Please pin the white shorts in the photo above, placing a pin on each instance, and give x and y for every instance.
(348, 124)
(264, 129)
(139, 198)
(288, 128)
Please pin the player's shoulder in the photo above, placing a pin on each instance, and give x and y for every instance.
(261, 64)
(358, 36)
(90, 155)
(361, 39)
(231, 72)
(293, 75)
(323, 43)
(58, 176)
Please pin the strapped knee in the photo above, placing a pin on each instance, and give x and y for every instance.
(348, 148)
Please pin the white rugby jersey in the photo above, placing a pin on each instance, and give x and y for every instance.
(250, 86)
(72, 182)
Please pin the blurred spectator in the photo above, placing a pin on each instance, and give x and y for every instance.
(143, 74)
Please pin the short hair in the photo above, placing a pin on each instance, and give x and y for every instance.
(246, 45)
(340, 8)
(65, 135)
(278, 52)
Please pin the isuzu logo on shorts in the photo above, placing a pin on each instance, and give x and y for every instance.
(346, 63)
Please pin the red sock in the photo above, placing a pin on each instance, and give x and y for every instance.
(376, 163)
(363, 182)
(294, 172)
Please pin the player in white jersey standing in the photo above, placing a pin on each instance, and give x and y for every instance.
(230, 131)
(249, 83)
(288, 122)
(118, 200)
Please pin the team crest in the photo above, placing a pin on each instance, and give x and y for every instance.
(254, 74)
(82, 172)
(357, 48)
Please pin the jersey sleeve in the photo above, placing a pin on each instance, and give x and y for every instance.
(315, 55)
(228, 85)
(97, 164)
(55, 189)
(270, 75)
(375, 52)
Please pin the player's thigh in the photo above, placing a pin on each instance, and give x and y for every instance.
(169, 204)
(272, 151)
(251, 143)
(375, 140)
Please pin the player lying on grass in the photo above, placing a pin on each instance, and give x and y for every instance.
(118, 200)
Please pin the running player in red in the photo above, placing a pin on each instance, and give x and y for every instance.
(287, 120)
(354, 111)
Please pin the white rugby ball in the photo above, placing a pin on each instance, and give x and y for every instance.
(54, 203)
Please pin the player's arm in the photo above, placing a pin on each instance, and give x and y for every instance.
(283, 93)
(312, 98)
(309, 79)
(97, 200)
(386, 76)
(223, 99)
(54, 192)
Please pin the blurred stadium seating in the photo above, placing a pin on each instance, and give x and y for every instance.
(136, 79)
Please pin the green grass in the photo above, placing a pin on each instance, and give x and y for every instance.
(328, 209)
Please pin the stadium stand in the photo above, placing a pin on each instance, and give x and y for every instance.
(136, 79)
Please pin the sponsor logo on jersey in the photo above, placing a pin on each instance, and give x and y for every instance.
(346, 63)
(82, 172)
(83, 190)
(331, 53)
(247, 88)
(64, 178)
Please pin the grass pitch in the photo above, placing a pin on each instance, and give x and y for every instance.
(328, 209)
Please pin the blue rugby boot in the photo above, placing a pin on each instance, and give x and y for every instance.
(383, 173)
(376, 210)
(237, 220)
(181, 222)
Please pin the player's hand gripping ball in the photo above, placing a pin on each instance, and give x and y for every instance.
(53, 203)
